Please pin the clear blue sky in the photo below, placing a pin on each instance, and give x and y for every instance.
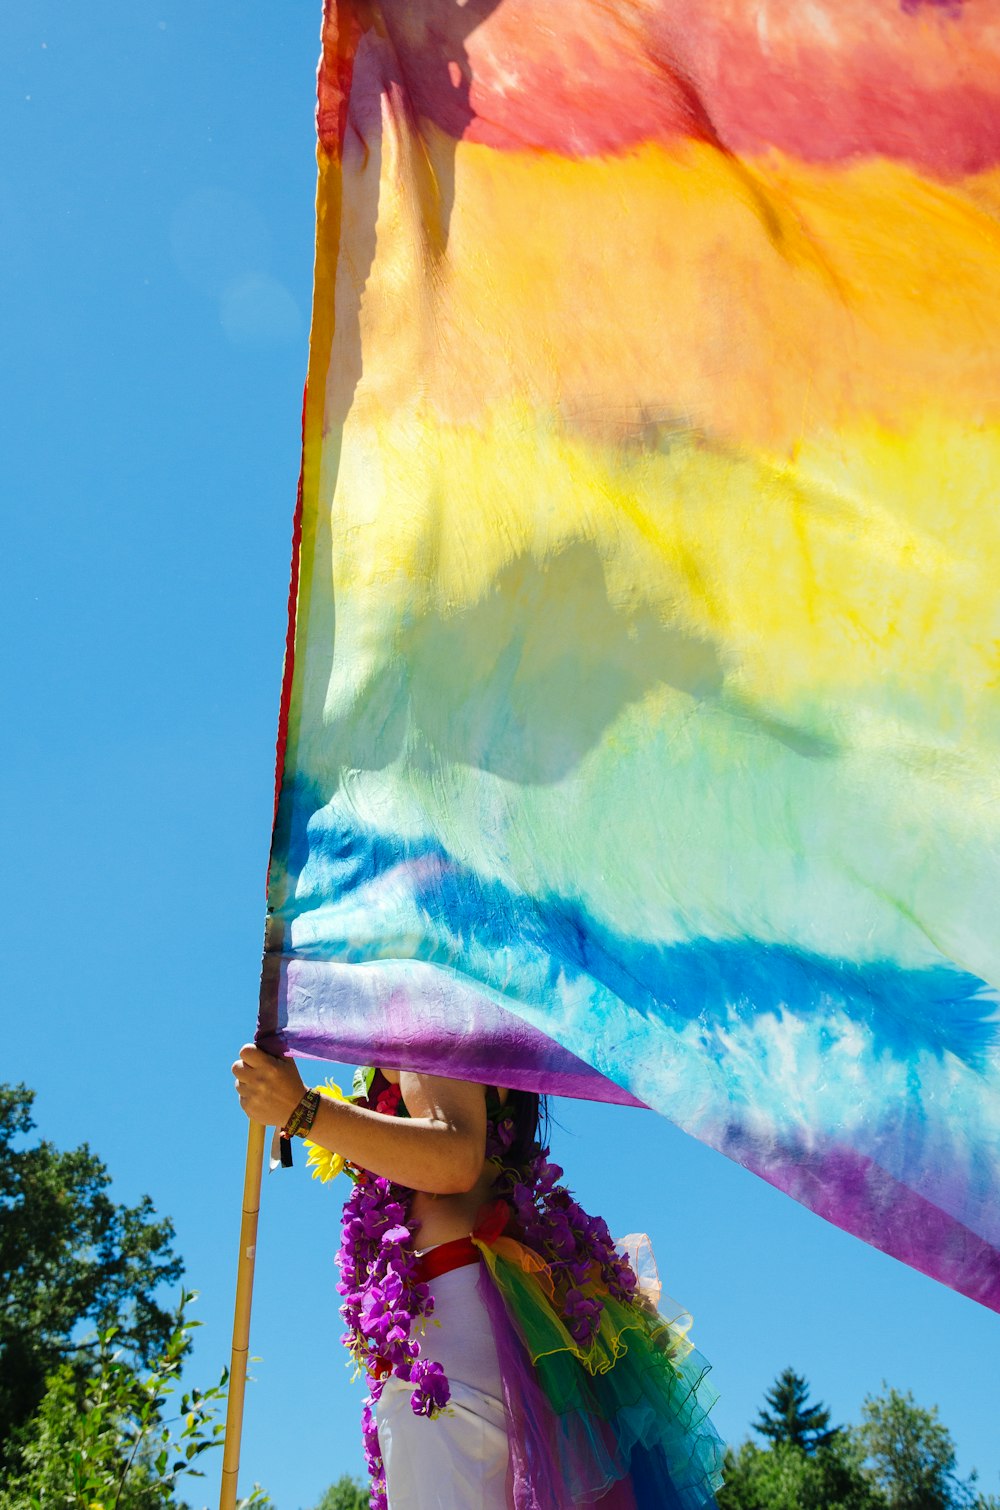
(156, 205)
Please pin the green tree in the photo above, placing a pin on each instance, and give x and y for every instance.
(910, 1456)
(69, 1256)
(345, 1494)
(790, 1419)
(900, 1458)
(786, 1477)
(107, 1442)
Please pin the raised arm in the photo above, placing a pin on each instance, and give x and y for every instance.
(439, 1148)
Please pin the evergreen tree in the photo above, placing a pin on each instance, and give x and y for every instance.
(791, 1420)
(900, 1458)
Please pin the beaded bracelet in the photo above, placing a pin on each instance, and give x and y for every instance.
(302, 1118)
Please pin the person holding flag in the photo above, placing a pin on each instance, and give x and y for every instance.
(547, 1378)
(639, 724)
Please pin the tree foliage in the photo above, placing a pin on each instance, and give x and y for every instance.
(911, 1456)
(790, 1419)
(786, 1477)
(69, 1257)
(90, 1422)
(107, 1441)
(910, 1452)
(345, 1494)
(901, 1457)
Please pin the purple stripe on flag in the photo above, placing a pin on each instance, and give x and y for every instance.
(439, 1023)
(858, 1194)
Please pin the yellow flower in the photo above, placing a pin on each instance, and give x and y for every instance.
(324, 1164)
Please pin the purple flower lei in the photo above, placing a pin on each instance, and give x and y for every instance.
(382, 1297)
(578, 1248)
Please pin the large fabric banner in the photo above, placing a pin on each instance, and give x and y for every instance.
(642, 703)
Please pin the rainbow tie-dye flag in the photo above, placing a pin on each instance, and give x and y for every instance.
(642, 702)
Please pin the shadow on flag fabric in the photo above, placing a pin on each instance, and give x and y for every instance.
(641, 716)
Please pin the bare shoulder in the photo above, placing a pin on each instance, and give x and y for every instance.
(455, 1101)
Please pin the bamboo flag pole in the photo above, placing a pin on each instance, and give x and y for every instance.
(241, 1316)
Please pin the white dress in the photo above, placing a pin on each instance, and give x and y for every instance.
(459, 1460)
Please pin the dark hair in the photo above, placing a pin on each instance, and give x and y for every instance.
(530, 1113)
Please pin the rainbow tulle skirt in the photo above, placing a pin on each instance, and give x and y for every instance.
(622, 1422)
